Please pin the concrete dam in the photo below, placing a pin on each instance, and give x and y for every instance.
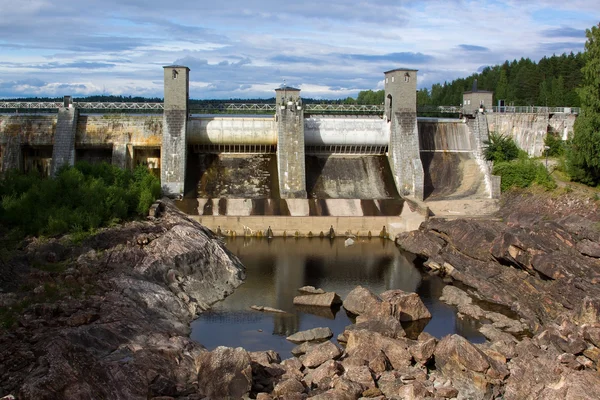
(298, 171)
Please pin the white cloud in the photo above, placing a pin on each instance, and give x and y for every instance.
(248, 47)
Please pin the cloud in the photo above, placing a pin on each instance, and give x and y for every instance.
(472, 48)
(564, 32)
(246, 47)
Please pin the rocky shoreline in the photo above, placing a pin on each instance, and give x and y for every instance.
(109, 318)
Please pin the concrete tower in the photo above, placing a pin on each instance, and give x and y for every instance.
(174, 144)
(404, 149)
(290, 143)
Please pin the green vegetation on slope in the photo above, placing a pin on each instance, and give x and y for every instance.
(79, 199)
(583, 157)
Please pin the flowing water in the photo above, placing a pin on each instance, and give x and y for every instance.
(276, 268)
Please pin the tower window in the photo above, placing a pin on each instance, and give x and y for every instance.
(406, 77)
(175, 73)
(393, 79)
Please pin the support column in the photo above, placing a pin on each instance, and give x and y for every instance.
(290, 144)
(119, 155)
(63, 150)
(404, 152)
(173, 153)
(12, 155)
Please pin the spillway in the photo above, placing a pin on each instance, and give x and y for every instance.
(450, 166)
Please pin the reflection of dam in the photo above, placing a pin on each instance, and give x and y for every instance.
(277, 268)
(277, 271)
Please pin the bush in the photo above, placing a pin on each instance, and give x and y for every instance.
(556, 145)
(80, 199)
(523, 173)
(501, 148)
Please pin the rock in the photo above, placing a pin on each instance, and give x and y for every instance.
(367, 346)
(268, 309)
(348, 242)
(322, 376)
(320, 353)
(352, 389)
(386, 326)
(310, 290)
(447, 392)
(589, 311)
(310, 335)
(302, 348)
(224, 372)
(589, 248)
(423, 349)
(372, 392)
(406, 306)
(413, 391)
(380, 363)
(454, 296)
(265, 358)
(292, 367)
(287, 387)
(319, 300)
(361, 375)
(457, 358)
(592, 335)
(323, 312)
(361, 301)
(389, 383)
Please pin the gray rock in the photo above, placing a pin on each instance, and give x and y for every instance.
(362, 301)
(311, 335)
(288, 387)
(319, 300)
(224, 372)
(322, 376)
(310, 290)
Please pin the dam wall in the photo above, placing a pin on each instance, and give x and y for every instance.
(530, 130)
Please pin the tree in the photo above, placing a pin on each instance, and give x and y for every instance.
(584, 154)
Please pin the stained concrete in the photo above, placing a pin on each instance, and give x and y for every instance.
(452, 175)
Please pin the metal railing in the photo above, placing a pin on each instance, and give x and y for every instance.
(266, 108)
(536, 110)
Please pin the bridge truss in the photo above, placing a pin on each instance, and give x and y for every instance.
(257, 108)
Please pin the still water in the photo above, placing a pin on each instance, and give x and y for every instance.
(276, 268)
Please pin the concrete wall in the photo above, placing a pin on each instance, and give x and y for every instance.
(445, 136)
(529, 130)
(404, 155)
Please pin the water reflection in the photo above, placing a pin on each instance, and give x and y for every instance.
(277, 268)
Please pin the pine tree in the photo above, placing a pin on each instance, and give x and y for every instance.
(584, 155)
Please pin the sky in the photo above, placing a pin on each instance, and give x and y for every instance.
(245, 49)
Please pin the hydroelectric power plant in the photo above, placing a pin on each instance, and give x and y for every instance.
(291, 168)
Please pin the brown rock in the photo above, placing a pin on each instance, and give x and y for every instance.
(413, 391)
(362, 301)
(322, 376)
(320, 353)
(423, 349)
(368, 345)
(318, 300)
(372, 392)
(310, 335)
(390, 384)
(380, 363)
(361, 375)
(352, 389)
(386, 326)
(446, 392)
(302, 348)
(310, 290)
(265, 358)
(224, 372)
(406, 306)
(589, 248)
(288, 387)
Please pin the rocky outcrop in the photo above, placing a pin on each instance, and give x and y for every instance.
(111, 318)
(530, 281)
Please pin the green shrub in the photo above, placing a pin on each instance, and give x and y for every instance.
(501, 148)
(523, 173)
(80, 199)
(556, 145)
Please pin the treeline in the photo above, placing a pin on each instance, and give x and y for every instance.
(551, 82)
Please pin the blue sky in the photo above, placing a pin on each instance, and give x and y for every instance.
(246, 48)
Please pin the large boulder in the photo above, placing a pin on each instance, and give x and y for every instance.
(472, 372)
(224, 373)
(406, 306)
(368, 346)
(361, 301)
(320, 353)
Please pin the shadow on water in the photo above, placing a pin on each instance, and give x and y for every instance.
(277, 268)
